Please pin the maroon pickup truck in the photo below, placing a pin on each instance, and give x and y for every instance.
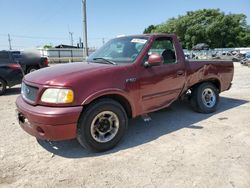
(129, 76)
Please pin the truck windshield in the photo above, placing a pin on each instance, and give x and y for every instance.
(119, 50)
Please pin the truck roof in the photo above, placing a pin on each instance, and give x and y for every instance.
(150, 35)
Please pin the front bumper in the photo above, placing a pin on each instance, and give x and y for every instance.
(48, 123)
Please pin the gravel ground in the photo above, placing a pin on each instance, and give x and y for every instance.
(178, 148)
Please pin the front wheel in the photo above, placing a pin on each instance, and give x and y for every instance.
(102, 125)
(205, 98)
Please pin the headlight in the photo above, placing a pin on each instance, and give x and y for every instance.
(60, 96)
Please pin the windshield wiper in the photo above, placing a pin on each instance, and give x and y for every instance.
(106, 60)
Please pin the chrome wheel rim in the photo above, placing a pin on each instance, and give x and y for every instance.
(104, 126)
(208, 97)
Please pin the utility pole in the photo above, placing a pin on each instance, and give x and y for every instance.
(80, 43)
(85, 35)
(9, 42)
(71, 38)
(103, 41)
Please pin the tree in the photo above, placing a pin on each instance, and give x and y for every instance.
(149, 29)
(210, 26)
(47, 46)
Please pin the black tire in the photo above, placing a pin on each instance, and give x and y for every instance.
(199, 102)
(85, 135)
(31, 69)
(2, 86)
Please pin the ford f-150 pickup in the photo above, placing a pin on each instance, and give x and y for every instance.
(129, 76)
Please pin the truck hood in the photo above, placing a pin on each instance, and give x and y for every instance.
(63, 75)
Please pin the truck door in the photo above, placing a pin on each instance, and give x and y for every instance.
(161, 85)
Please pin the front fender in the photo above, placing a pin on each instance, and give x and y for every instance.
(110, 91)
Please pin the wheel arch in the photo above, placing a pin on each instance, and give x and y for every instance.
(30, 66)
(6, 82)
(216, 82)
(116, 96)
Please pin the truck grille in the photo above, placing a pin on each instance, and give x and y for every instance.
(29, 92)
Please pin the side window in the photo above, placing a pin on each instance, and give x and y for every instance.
(164, 47)
(4, 57)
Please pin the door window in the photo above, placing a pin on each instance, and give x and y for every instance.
(165, 48)
(4, 56)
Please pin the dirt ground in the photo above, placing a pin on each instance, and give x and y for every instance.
(178, 148)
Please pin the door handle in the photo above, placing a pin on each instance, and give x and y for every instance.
(180, 73)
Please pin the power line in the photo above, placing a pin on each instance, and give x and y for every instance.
(9, 39)
(33, 37)
(36, 37)
(14, 46)
(56, 38)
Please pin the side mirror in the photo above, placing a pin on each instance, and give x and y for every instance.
(154, 60)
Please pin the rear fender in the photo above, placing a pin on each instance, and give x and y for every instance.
(207, 73)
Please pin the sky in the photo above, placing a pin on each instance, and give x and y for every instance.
(33, 23)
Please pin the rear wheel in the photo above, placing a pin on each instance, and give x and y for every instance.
(102, 125)
(31, 69)
(205, 98)
(2, 86)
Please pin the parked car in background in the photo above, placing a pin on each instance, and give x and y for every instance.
(29, 61)
(246, 59)
(11, 72)
(247, 55)
(129, 76)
